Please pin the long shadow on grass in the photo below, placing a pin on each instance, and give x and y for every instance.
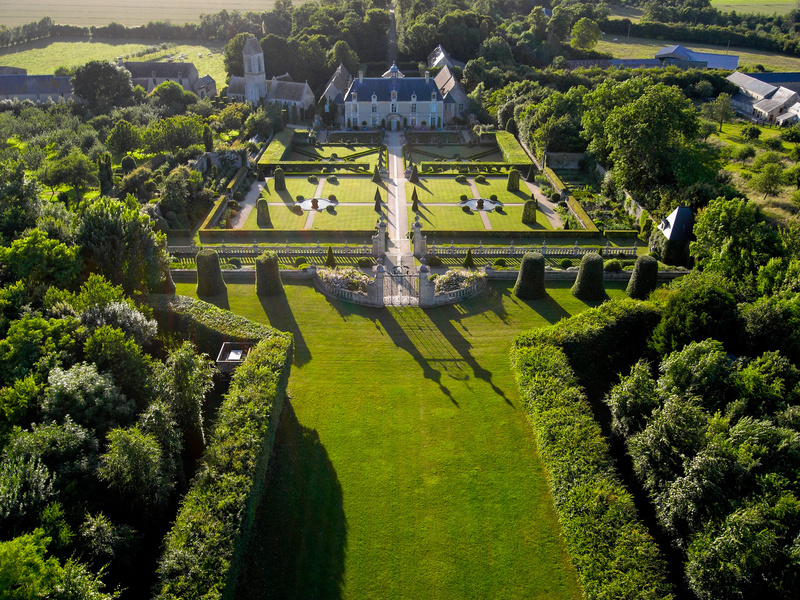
(220, 300)
(397, 332)
(550, 310)
(299, 538)
(281, 316)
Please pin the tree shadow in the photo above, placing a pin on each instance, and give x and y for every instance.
(397, 333)
(550, 310)
(299, 537)
(220, 300)
(281, 316)
(286, 197)
(421, 184)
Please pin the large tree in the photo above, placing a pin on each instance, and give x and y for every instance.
(19, 200)
(718, 110)
(102, 84)
(585, 34)
(234, 55)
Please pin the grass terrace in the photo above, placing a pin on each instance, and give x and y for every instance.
(346, 218)
(511, 220)
(295, 186)
(282, 218)
(454, 153)
(354, 189)
(450, 218)
(438, 190)
(497, 186)
(404, 465)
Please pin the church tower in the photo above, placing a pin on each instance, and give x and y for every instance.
(255, 80)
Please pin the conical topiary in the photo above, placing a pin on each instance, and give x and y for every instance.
(330, 260)
(414, 201)
(513, 181)
(469, 262)
(376, 176)
(262, 213)
(530, 280)
(644, 278)
(280, 180)
(209, 275)
(268, 275)
(414, 174)
(377, 200)
(531, 173)
(529, 212)
(589, 284)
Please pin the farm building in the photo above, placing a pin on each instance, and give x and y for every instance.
(683, 57)
(335, 90)
(768, 96)
(254, 87)
(36, 88)
(455, 98)
(151, 74)
(441, 58)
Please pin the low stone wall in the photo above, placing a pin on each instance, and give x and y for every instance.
(565, 160)
(237, 275)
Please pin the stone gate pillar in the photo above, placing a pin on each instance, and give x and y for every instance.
(380, 273)
(379, 239)
(427, 288)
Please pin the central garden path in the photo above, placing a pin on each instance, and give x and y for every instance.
(247, 204)
(404, 464)
(396, 198)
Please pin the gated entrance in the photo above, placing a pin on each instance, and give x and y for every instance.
(401, 287)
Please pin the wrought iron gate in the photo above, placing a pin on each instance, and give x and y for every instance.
(401, 287)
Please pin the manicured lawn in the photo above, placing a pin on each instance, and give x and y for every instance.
(295, 186)
(44, 56)
(497, 185)
(455, 152)
(346, 218)
(438, 189)
(511, 220)
(354, 189)
(446, 217)
(282, 218)
(633, 47)
(404, 466)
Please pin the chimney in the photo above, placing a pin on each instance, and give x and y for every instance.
(361, 77)
(427, 76)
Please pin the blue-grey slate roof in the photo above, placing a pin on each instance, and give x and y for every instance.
(678, 225)
(28, 85)
(382, 88)
(777, 78)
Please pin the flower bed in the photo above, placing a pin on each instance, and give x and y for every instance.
(456, 280)
(346, 278)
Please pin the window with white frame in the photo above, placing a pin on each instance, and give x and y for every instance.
(414, 108)
(394, 108)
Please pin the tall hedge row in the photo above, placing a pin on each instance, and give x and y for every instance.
(204, 548)
(611, 549)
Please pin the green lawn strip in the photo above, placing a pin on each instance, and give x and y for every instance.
(438, 190)
(295, 186)
(404, 465)
(353, 189)
(346, 218)
(497, 186)
(449, 152)
(634, 47)
(282, 218)
(511, 220)
(44, 56)
(451, 218)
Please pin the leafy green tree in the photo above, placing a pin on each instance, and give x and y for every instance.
(75, 170)
(718, 110)
(171, 96)
(31, 339)
(344, 54)
(633, 401)
(751, 133)
(769, 180)
(102, 84)
(732, 239)
(496, 49)
(234, 54)
(19, 200)
(26, 486)
(133, 467)
(139, 183)
(41, 261)
(174, 133)
(743, 153)
(89, 397)
(105, 174)
(208, 139)
(585, 34)
(124, 138)
(182, 384)
(119, 242)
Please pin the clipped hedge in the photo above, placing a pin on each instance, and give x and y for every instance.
(644, 278)
(511, 150)
(236, 181)
(621, 233)
(539, 234)
(262, 213)
(209, 274)
(268, 276)
(443, 167)
(203, 550)
(611, 549)
(574, 206)
(278, 148)
(207, 325)
(216, 212)
(589, 283)
(530, 279)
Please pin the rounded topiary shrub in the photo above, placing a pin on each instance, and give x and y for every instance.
(589, 284)
(365, 262)
(644, 278)
(312, 179)
(301, 260)
(530, 281)
(612, 265)
(565, 263)
(513, 181)
(555, 198)
(262, 213)
(128, 164)
(480, 179)
(500, 262)
(529, 212)
(209, 275)
(461, 178)
(433, 261)
(268, 275)
(235, 262)
(280, 180)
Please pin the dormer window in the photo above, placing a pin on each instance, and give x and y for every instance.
(394, 95)
(355, 97)
(433, 96)
(413, 97)
(374, 97)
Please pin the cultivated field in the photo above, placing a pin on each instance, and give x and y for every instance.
(404, 465)
(45, 56)
(748, 6)
(126, 12)
(633, 47)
